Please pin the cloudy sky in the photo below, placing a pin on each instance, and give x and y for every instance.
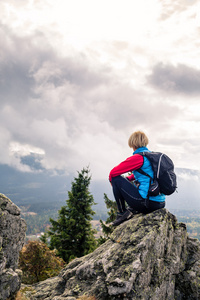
(78, 77)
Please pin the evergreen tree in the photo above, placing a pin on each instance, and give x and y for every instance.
(112, 213)
(72, 234)
(44, 238)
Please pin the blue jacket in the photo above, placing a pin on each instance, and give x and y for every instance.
(145, 180)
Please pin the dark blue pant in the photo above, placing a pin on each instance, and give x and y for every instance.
(125, 191)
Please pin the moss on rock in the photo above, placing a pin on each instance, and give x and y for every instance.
(146, 258)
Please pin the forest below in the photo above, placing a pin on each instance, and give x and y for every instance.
(37, 217)
(192, 220)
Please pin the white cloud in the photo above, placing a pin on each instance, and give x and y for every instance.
(76, 78)
(187, 176)
(24, 149)
(176, 79)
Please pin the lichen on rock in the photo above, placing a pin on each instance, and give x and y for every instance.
(12, 237)
(147, 257)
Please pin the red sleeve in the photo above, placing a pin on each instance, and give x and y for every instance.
(133, 162)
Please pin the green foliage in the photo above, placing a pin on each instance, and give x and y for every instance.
(44, 238)
(38, 262)
(192, 220)
(40, 222)
(112, 213)
(72, 234)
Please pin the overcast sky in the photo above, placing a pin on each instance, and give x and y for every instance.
(78, 77)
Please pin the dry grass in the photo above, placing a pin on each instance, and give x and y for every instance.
(86, 298)
(20, 296)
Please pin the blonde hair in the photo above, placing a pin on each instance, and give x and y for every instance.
(138, 139)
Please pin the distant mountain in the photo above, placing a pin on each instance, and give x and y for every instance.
(26, 187)
(44, 188)
(47, 188)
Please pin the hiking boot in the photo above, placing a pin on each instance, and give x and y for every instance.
(118, 217)
(123, 217)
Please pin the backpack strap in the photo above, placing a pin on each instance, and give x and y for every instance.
(140, 170)
(143, 173)
(146, 174)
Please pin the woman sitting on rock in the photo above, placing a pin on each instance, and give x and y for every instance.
(134, 188)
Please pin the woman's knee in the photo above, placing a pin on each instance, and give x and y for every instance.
(117, 179)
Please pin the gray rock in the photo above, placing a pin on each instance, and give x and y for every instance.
(147, 257)
(12, 236)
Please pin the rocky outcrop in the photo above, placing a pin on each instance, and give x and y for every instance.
(147, 257)
(12, 236)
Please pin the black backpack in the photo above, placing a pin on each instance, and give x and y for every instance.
(164, 175)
